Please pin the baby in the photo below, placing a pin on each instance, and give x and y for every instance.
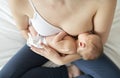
(88, 45)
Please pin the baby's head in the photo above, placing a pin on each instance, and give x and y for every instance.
(89, 46)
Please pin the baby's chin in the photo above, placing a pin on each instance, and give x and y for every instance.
(89, 56)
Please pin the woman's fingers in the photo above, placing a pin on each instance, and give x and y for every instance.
(47, 48)
(39, 51)
(46, 51)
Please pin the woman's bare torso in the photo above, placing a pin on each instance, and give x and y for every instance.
(74, 17)
(80, 16)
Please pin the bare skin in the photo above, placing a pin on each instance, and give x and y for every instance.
(74, 17)
(73, 71)
(88, 46)
(61, 41)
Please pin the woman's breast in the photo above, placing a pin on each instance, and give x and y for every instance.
(80, 21)
(76, 30)
(75, 27)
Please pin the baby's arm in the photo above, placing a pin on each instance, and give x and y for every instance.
(62, 43)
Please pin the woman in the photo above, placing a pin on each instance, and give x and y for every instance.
(74, 17)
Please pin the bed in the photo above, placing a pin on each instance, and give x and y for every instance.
(11, 40)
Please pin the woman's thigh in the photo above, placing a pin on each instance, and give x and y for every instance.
(102, 67)
(47, 72)
(21, 62)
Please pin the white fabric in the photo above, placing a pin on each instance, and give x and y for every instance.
(112, 47)
(41, 25)
(11, 40)
(35, 41)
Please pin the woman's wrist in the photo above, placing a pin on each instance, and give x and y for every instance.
(25, 33)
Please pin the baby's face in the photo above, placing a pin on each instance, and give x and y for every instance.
(87, 46)
(82, 42)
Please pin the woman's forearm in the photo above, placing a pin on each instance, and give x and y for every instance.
(25, 33)
(54, 56)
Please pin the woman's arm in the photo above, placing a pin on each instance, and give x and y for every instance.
(103, 18)
(16, 7)
(54, 56)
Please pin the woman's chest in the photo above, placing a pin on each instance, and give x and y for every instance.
(75, 23)
(74, 20)
(78, 23)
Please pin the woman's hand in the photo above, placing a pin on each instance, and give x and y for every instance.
(54, 56)
(48, 53)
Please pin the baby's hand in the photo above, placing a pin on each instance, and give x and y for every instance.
(60, 36)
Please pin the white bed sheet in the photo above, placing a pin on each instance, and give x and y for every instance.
(11, 40)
